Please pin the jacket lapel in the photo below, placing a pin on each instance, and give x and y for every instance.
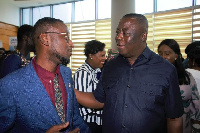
(67, 78)
(44, 105)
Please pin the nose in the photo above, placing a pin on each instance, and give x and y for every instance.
(71, 44)
(119, 35)
(163, 56)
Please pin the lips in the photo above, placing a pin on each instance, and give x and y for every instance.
(120, 46)
(70, 51)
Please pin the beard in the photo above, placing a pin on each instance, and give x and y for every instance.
(62, 59)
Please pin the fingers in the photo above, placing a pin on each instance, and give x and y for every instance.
(77, 130)
(64, 125)
(57, 128)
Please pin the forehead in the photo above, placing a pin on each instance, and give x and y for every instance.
(59, 27)
(99, 53)
(164, 48)
(127, 23)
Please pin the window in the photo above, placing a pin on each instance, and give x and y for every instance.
(59, 10)
(181, 25)
(85, 10)
(26, 13)
(86, 31)
(40, 12)
(163, 5)
(104, 10)
(142, 8)
(85, 22)
(179, 21)
(197, 2)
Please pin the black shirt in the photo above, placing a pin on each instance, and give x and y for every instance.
(139, 98)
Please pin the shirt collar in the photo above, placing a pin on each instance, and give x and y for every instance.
(92, 69)
(145, 54)
(43, 73)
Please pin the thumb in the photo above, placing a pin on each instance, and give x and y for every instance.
(64, 125)
(77, 130)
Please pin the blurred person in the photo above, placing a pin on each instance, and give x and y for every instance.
(193, 55)
(39, 97)
(86, 78)
(2, 51)
(2, 54)
(20, 56)
(169, 49)
(138, 89)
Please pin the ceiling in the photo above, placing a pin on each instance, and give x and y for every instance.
(31, 3)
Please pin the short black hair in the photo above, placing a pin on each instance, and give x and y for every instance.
(46, 21)
(93, 47)
(43, 24)
(191, 46)
(193, 52)
(24, 30)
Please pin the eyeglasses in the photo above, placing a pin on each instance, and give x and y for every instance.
(61, 33)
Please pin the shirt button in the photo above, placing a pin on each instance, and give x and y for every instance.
(128, 86)
(123, 126)
(126, 106)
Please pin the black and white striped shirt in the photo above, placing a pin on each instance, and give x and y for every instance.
(85, 79)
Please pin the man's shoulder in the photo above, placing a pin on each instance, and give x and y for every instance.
(65, 70)
(12, 57)
(19, 74)
(160, 64)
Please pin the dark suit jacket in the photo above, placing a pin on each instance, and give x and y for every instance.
(25, 105)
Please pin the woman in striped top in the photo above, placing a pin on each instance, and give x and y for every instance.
(86, 78)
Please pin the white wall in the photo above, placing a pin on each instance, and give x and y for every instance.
(9, 13)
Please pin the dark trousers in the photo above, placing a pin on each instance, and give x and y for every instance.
(95, 128)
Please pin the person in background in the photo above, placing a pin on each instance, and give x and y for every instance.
(138, 89)
(169, 49)
(193, 55)
(86, 78)
(111, 53)
(20, 56)
(39, 97)
(185, 63)
(2, 55)
(2, 51)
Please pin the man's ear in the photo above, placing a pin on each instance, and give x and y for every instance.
(43, 39)
(144, 36)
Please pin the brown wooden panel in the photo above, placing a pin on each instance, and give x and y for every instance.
(7, 30)
(8, 27)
